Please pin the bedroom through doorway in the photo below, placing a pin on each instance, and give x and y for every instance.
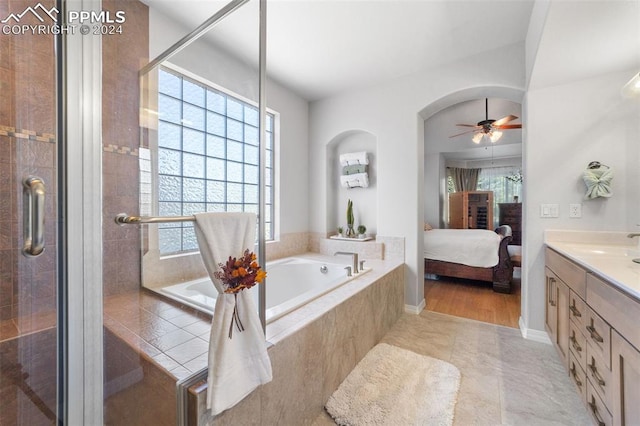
(497, 170)
(474, 300)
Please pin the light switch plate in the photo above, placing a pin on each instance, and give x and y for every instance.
(549, 210)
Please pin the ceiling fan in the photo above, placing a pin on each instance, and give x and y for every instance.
(489, 127)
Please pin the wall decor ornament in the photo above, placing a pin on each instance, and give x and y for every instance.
(597, 177)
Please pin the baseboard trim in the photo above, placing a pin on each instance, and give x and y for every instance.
(412, 309)
(535, 335)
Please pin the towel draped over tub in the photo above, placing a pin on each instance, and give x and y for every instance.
(240, 364)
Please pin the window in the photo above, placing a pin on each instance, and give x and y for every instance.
(208, 157)
(506, 184)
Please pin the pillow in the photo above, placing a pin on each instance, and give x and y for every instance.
(427, 227)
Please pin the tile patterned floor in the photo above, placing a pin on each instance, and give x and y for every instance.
(506, 380)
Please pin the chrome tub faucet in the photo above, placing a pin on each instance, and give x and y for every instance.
(354, 259)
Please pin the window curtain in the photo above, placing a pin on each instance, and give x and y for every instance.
(464, 179)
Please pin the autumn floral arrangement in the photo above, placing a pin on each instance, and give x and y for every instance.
(238, 274)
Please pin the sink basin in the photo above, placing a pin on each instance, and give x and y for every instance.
(603, 251)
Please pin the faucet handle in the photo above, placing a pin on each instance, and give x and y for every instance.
(361, 265)
(348, 268)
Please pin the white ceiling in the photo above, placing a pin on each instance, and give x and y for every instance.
(584, 39)
(320, 48)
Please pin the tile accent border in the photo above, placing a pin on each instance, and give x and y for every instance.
(27, 134)
(125, 150)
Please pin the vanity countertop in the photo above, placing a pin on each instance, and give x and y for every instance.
(611, 259)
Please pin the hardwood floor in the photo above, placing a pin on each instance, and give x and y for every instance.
(474, 300)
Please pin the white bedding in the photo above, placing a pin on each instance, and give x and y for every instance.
(472, 247)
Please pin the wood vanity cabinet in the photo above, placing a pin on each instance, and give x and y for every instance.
(471, 210)
(626, 381)
(600, 348)
(557, 314)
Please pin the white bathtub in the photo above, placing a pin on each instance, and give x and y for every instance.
(291, 283)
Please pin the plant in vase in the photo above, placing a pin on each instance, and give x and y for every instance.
(340, 230)
(362, 231)
(351, 233)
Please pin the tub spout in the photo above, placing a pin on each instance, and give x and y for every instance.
(354, 259)
(348, 269)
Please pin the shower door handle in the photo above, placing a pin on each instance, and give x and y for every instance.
(33, 216)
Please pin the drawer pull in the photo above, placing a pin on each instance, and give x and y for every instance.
(594, 334)
(575, 343)
(575, 311)
(594, 410)
(574, 373)
(594, 372)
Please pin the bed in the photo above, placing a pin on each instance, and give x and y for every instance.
(476, 254)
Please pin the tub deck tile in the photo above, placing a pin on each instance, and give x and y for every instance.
(165, 332)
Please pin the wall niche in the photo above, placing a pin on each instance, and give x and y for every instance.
(365, 200)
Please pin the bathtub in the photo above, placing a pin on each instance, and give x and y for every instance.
(291, 283)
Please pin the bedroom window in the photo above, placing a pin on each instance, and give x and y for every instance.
(505, 182)
(207, 157)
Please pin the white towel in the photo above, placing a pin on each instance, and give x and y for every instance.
(358, 180)
(598, 182)
(351, 158)
(240, 364)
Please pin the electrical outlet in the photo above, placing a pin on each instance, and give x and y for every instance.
(575, 210)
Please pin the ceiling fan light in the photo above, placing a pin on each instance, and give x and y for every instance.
(477, 137)
(494, 136)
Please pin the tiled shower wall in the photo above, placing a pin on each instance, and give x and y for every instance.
(27, 285)
(123, 56)
(27, 147)
(136, 390)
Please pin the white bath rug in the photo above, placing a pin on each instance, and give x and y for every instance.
(394, 386)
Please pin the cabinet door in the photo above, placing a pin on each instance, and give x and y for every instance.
(626, 381)
(457, 211)
(557, 314)
(551, 310)
(562, 306)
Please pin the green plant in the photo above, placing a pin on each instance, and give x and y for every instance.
(340, 229)
(350, 232)
(350, 213)
(362, 229)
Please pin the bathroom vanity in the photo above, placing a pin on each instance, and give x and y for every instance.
(592, 315)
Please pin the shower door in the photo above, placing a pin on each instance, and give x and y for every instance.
(30, 332)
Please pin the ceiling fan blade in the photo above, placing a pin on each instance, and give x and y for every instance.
(469, 125)
(508, 126)
(504, 120)
(464, 133)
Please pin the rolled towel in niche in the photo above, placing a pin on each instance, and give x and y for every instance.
(354, 158)
(358, 180)
(356, 168)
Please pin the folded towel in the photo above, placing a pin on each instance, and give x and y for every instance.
(349, 159)
(240, 364)
(358, 180)
(356, 168)
(598, 182)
